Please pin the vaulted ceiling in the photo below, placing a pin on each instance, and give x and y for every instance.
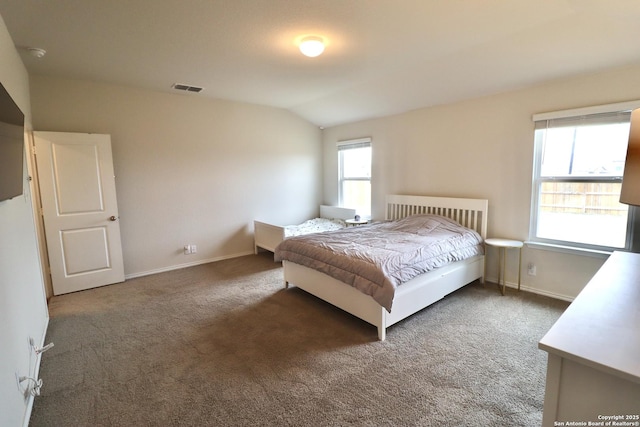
(382, 56)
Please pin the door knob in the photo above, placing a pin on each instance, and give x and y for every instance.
(113, 218)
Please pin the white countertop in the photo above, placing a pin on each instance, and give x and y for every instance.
(601, 327)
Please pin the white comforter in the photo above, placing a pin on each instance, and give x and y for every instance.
(316, 225)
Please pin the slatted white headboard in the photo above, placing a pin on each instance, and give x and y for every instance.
(472, 213)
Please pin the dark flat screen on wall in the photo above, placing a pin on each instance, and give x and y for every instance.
(11, 147)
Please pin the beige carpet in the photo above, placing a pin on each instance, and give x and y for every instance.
(224, 344)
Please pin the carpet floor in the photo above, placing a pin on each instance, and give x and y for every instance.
(224, 344)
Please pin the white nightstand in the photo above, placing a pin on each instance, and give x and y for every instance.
(503, 245)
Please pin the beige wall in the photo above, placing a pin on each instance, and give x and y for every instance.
(482, 148)
(190, 170)
(23, 311)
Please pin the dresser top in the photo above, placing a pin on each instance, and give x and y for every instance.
(601, 327)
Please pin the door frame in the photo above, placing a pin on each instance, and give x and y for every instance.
(36, 206)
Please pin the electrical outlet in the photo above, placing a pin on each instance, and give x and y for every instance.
(194, 249)
(531, 269)
(187, 249)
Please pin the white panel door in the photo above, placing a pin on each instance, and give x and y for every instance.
(78, 191)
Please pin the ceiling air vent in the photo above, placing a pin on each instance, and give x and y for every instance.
(187, 88)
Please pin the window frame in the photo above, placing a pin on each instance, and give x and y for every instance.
(537, 180)
(349, 145)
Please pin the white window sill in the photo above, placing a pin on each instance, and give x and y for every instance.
(568, 249)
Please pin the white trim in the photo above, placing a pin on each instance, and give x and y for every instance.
(494, 281)
(343, 147)
(36, 373)
(583, 116)
(573, 250)
(584, 111)
(354, 141)
(185, 265)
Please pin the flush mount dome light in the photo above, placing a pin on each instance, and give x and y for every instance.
(36, 52)
(312, 46)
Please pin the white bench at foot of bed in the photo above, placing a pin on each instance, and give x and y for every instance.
(410, 297)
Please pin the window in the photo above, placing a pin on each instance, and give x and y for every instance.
(354, 175)
(577, 176)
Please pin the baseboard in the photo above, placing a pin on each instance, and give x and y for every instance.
(206, 261)
(36, 373)
(185, 265)
(545, 293)
(533, 290)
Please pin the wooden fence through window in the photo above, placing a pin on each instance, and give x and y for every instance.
(591, 198)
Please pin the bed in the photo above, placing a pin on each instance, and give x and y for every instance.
(414, 294)
(268, 236)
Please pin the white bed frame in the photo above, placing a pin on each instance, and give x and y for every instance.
(268, 236)
(418, 292)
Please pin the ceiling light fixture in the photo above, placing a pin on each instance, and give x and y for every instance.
(36, 52)
(312, 46)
